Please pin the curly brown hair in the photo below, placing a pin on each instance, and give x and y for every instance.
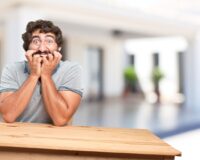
(44, 26)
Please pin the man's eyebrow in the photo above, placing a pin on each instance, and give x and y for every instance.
(50, 36)
(35, 37)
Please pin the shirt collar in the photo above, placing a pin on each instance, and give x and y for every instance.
(27, 69)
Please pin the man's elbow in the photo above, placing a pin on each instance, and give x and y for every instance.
(60, 122)
(8, 118)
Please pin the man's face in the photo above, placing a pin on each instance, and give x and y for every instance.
(43, 43)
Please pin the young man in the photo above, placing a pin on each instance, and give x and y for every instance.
(42, 89)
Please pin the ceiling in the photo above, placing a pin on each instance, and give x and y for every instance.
(154, 17)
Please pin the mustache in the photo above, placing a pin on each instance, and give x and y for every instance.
(41, 53)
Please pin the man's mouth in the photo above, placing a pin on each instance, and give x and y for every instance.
(41, 53)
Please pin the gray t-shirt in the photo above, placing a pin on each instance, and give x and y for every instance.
(66, 76)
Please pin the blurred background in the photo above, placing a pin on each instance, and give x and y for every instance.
(140, 59)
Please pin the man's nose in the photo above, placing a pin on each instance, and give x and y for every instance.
(43, 47)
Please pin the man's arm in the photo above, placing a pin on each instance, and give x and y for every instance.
(60, 105)
(12, 104)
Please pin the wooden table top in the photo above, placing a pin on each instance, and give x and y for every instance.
(85, 139)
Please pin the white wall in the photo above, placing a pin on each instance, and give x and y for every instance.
(192, 73)
(79, 40)
(13, 26)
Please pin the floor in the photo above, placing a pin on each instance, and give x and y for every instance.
(188, 143)
(132, 112)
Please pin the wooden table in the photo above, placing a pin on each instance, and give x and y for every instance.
(28, 141)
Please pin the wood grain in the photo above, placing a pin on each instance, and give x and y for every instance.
(84, 139)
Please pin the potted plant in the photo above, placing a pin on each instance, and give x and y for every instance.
(131, 79)
(157, 76)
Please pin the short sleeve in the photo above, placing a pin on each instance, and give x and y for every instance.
(73, 80)
(8, 80)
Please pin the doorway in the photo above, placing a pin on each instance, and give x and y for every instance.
(95, 70)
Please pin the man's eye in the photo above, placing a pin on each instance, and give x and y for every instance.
(50, 41)
(35, 41)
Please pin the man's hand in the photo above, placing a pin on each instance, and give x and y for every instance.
(49, 63)
(34, 62)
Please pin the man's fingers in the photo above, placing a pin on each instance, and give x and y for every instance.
(57, 56)
(44, 59)
(35, 58)
(39, 60)
(29, 54)
(28, 57)
(50, 57)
